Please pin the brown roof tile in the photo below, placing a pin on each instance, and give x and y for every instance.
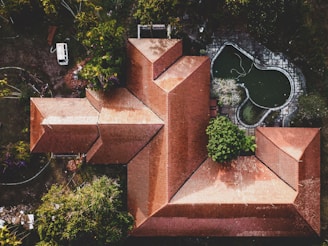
(157, 126)
(62, 125)
(293, 141)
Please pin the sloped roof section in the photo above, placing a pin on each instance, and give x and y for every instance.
(161, 53)
(246, 198)
(111, 129)
(179, 96)
(293, 154)
(62, 125)
(157, 127)
(246, 181)
(125, 126)
(293, 141)
(251, 198)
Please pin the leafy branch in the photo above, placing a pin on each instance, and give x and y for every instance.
(226, 141)
(9, 91)
(93, 212)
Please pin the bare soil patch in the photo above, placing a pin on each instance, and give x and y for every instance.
(33, 54)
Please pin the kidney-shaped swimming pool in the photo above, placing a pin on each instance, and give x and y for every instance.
(267, 87)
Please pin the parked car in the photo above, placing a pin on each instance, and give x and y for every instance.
(62, 53)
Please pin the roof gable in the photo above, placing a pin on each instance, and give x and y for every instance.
(292, 141)
(157, 126)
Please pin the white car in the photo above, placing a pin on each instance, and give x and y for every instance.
(62, 53)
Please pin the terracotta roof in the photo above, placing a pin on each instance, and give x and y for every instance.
(260, 203)
(157, 126)
(161, 53)
(294, 155)
(246, 181)
(125, 126)
(246, 199)
(62, 125)
(293, 141)
(110, 133)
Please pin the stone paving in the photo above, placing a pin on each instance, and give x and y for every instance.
(266, 58)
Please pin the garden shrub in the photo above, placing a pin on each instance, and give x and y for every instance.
(227, 91)
(160, 11)
(102, 73)
(8, 238)
(16, 88)
(15, 155)
(91, 214)
(226, 141)
(9, 91)
(312, 109)
(105, 43)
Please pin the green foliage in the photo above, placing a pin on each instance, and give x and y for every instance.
(84, 22)
(150, 11)
(51, 7)
(102, 72)
(157, 11)
(9, 8)
(15, 155)
(4, 90)
(93, 212)
(226, 140)
(54, 9)
(88, 17)
(249, 114)
(105, 42)
(235, 7)
(9, 91)
(21, 150)
(263, 18)
(249, 144)
(307, 43)
(117, 9)
(107, 36)
(100, 34)
(7, 238)
(312, 109)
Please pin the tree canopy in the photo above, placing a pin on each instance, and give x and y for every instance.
(312, 109)
(156, 11)
(106, 45)
(91, 214)
(226, 141)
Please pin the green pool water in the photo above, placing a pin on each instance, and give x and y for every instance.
(267, 87)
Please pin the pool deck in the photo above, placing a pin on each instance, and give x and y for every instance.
(264, 57)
